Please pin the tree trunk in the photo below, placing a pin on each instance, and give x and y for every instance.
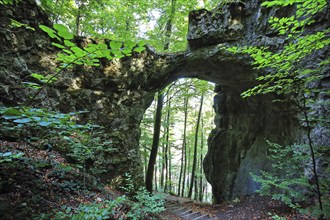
(155, 143)
(169, 25)
(195, 147)
(303, 107)
(188, 166)
(162, 180)
(155, 174)
(184, 146)
(169, 169)
(201, 163)
(167, 144)
(78, 18)
(196, 189)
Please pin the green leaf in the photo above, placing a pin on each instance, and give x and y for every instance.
(22, 120)
(129, 44)
(49, 31)
(12, 112)
(67, 51)
(141, 43)
(6, 2)
(102, 46)
(44, 123)
(46, 29)
(58, 45)
(31, 85)
(139, 49)
(78, 51)
(7, 154)
(63, 31)
(91, 48)
(115, 45)
(69, 43)
(66, 35)
(117, 54)
(61, 28)
(15, 23)
(36, 118)
(127, 52)
(37, 76)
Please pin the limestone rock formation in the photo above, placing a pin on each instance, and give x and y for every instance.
(118, 93)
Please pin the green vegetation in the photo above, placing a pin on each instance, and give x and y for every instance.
(288, 182)
(287, 187)
(102, 210)
(144, 204)
(6, 1)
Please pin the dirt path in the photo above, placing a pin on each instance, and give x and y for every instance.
(245, 208)
(177, 208)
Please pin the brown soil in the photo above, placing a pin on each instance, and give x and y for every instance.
(247, 208)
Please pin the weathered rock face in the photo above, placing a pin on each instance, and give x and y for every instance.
(117, 93)
(237, 145)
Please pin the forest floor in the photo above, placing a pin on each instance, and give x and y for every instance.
(42, 181)
(247, 208)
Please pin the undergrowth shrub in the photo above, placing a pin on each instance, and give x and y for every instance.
(108, 209)
(290, 179)
(139, 206)
(144, 202)
(50, 130)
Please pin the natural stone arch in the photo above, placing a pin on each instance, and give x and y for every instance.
(118, 93)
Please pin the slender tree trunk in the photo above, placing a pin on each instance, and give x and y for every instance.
(163, 162)
(201, 163)
(160, 170)
(303, 108)
(169, 169)
(145, 152)
(169, 25)
(78, 18)
(78, 23)
(167, 145)
(156, 177)
(196, 185)
(195, 146)
(181, 172)
(166, 159)
(168, 32)
(155, 143)
(188, 167)
(184, 146)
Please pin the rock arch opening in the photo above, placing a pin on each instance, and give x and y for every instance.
(187, 120)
